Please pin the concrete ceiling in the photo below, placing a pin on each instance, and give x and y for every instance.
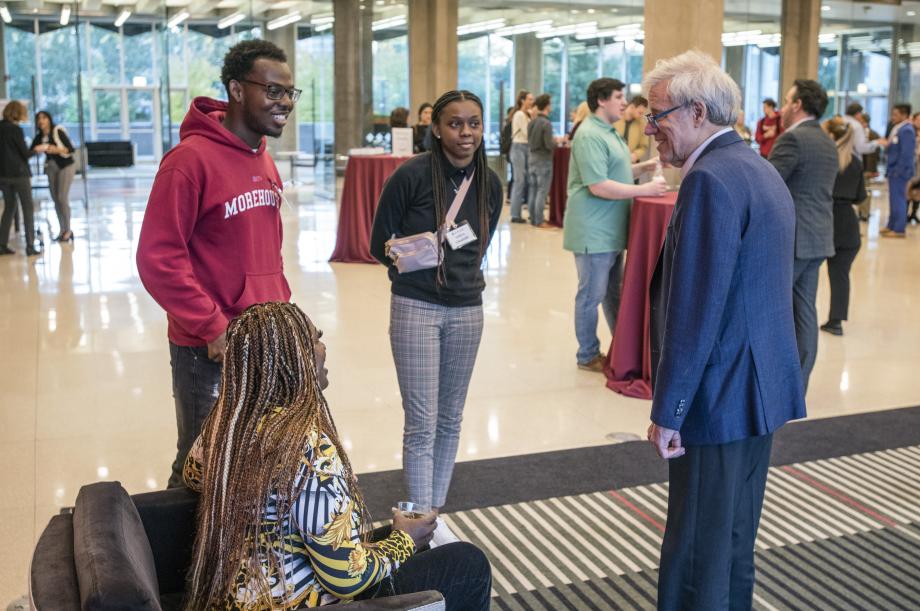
(739, 14)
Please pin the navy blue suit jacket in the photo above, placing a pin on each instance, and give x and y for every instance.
(901, 154)
(725, 365)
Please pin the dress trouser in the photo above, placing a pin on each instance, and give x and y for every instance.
(17, 188)
(195, 383)
(715, 497)
(804, 293)
(459, 571)
(434, 349)
(838, 272)
(59, 182)
(897, 204)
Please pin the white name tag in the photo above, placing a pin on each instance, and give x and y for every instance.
(461, 235)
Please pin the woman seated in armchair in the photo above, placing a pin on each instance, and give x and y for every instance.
(281, 521)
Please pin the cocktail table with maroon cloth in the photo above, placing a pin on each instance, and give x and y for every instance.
(364, 179)
(559, 186)
(629, 360)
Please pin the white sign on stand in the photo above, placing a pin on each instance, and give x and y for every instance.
(402, 141)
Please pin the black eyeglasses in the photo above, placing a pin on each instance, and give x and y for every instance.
(274, 91)
(653, 119)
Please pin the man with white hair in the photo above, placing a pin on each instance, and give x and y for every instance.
(725, 370)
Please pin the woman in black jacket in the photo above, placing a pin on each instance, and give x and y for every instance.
(15, 177)
(849, 190)
(421, 133)
(52, 140)
(436, 314)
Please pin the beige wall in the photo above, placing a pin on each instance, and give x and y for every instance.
(799, 51)
(432, 50)
(528, 65)
(353, 74)
(675, 26)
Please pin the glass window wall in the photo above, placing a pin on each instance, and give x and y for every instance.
(856, 67)
(390, 81)
(19, 45)
(484, 66)
(140, 78)
(570, 64)
(315, 110)
(751, 55)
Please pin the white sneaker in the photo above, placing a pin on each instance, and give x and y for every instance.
(442, 534)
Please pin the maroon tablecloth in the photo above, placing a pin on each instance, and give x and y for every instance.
(558, 187)
(629, 361)
(364, 178)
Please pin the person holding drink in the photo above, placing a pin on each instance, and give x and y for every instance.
(282, 523)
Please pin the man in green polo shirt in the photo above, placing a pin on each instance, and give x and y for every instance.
(601, 175)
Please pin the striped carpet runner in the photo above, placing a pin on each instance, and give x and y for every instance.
(840, 533)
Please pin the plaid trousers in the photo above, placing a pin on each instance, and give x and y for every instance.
(434, 348)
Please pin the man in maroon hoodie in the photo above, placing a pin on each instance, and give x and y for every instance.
(210, 244)
(769, 128)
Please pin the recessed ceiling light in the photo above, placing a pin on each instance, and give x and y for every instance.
(226, 22)
(825, 8)
(122, 18)
(280, 22)
(911, 13)
(177, 19)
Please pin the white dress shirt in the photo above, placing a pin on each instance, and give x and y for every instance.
(861, 144)
(699, 150)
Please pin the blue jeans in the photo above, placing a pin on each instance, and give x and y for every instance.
(519, 158)
(195, 383)
(539, 177)
(600, 277)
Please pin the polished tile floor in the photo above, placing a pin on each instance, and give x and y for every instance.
(84, 369)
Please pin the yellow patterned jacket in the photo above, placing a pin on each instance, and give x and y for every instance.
(317, 544)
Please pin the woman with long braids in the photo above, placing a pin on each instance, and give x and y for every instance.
(281, 521)
(436, 314)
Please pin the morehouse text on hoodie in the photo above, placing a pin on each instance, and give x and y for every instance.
(210, 244)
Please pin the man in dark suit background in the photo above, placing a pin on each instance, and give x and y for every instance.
(806, 158)
(725, 369)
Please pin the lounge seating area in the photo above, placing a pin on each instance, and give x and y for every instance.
(115, 551)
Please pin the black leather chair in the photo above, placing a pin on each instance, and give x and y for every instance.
(115, 551)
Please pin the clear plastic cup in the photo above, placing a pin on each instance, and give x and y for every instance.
(412, 510)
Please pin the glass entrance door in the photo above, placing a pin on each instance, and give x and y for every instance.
(105, 115)
(128, 113)
(143, 106)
